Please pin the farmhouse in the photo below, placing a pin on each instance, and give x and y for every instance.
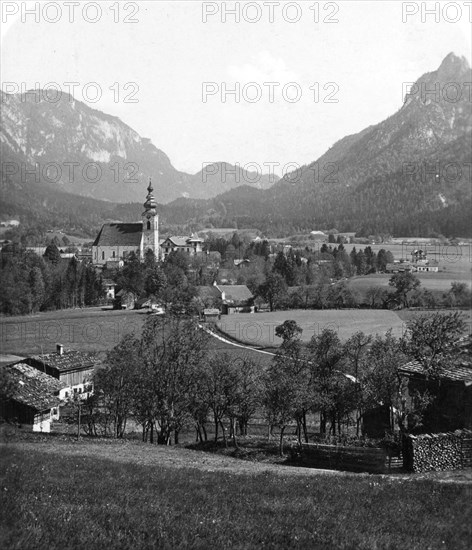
(34, 397)
(72, 368)
(236, 299)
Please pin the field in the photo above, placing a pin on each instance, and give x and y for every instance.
(90, 329)
(439, 282)
(259, 329)
(57, 493)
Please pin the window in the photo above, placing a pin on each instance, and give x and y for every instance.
(113, 253)
(149, 226)
(103, 255)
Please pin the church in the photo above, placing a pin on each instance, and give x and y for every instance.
(116, 241)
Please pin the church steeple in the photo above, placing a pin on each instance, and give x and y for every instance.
(150, 204)
(150, 240)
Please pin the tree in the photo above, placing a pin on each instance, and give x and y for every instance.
(116, 382)
(432, 340)
(38, 290)
(52, 253)
(355, 351)
(273, 290)
(219, 387)
(404, 283)
(289, 331)
(460, 293)
(326, 354)
(173, 352)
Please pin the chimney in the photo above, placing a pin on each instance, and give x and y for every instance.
(60, 349)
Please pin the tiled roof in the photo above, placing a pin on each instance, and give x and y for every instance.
(207, 292)
(120, 234)
(68, 361)
(236, 293)
(33, 387)
(458, 373)
(178, 241)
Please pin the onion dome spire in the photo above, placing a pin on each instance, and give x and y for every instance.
(150, 204)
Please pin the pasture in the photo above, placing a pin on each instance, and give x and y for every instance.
(88, 329)
(58, 493)
(259, 329)
(436, 282)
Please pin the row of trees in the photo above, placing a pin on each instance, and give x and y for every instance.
(32, 283)
(167, 379)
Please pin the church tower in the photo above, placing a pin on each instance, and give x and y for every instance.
(150, 240)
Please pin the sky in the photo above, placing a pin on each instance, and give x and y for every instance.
(304, 74)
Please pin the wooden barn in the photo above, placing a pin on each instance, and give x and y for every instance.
(452, 388)
(32, 397)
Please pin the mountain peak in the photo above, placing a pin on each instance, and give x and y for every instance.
(452, 66)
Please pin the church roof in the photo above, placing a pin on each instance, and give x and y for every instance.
(120, 234)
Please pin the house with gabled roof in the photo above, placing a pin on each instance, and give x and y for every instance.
(236, 299)
(188, 245)
(73, 369)
(32, 399)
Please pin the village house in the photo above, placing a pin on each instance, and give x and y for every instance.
(73, 369)
(109, 285)
(235, 299)
(188, 245)
(34, 398)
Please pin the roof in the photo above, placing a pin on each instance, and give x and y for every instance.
(236, 293)
(178, 241)
(457, 373)
(32, 387)
(68, 361)
(206, 292)
(120, 234)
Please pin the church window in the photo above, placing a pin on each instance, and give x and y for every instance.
(148, 225)
(103, 255)
(113, 253)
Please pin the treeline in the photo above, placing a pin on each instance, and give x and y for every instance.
(31, 283)
(168, 380)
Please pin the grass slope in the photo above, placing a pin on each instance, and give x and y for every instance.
(78, 499)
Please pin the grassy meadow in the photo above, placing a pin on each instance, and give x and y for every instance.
(259, 329)
(88, 329)
(65, 494)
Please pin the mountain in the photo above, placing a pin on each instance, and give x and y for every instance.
(407, 175)
(80, 150)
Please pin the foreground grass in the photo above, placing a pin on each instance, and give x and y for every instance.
(53, 501)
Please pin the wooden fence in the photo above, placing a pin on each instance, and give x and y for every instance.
(354, 459)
